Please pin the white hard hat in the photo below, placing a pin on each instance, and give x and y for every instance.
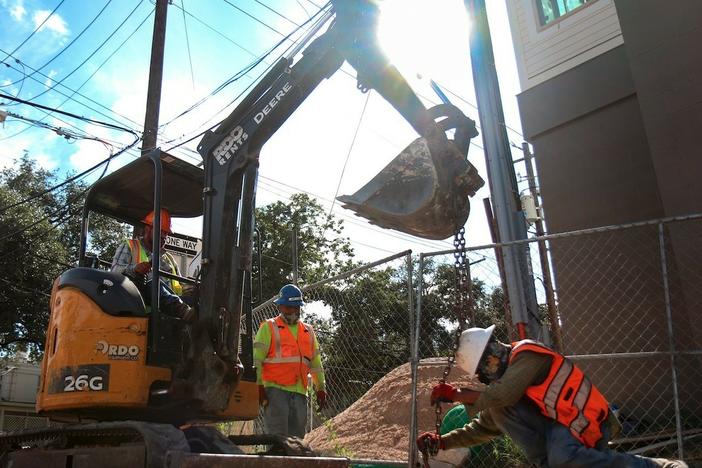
(471, 346)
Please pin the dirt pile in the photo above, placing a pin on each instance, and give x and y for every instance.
(377, 425)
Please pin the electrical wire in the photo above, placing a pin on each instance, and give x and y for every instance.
(71, 179)
(253, 17)
(238, 96)
(348, 154)
(187, 43)
(278, 13)
(67, 134)
(32, 34)
(68, 46)
(54, 109)
(92, 54)
(69, 114)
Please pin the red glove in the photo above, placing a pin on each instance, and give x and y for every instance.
(142, 268)
(443, 393)
(431, 442)
(321, 399)
(262, 397)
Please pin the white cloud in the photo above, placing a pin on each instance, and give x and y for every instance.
(55, 23)
(50, 78)
(45, 161)
(18, 11)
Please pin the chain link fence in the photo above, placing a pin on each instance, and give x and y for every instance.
(363, 322)
(625, 307)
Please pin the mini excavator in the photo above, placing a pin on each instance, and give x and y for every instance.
(137, 384)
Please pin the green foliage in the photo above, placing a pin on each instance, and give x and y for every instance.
(39, 240)
(322, 251)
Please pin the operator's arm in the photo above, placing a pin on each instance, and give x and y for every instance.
(316, 368)
(122, 261)
(526, 370)
(262, 342)
(480, 430)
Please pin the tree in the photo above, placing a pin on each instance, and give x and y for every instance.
(322, 250)
(39, 240)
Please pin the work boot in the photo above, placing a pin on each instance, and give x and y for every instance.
(181, 310)
(666, 463)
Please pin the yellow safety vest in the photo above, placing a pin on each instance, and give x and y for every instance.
(140, 255)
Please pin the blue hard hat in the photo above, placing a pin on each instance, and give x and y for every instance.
(290, 295)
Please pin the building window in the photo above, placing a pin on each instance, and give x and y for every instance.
(551, 10)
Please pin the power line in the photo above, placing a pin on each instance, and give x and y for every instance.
(254, 18)
(69, 114)
(32, 35)
(187, 42)
(348, 154)
(277, 12)
(70, 179)
(74, 39)
(102, 44)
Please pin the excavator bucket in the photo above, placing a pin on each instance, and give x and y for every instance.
(423, 191)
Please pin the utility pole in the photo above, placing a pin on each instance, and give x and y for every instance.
(543, 254)
(153, 97)
(501, 175)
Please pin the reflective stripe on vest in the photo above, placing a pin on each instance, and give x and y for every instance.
(567, 395)
(288, 358)
(140, 255)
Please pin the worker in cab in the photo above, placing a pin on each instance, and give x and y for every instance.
(286, 351)
(538, 398)
(133, 259)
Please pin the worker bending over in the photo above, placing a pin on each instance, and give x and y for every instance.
(537, 397)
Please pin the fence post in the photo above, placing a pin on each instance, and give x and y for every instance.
(415, 360)
(671, 339)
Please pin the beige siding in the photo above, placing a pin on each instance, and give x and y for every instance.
(543, 53)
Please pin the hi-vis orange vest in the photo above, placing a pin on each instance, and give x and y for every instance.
(139, 255)
(288, 359)
(567, 395)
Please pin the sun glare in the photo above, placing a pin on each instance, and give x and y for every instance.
(424, 36)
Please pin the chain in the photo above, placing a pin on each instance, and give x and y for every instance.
(461, 305)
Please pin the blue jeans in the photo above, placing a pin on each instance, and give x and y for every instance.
(286, 413)
(549, 444)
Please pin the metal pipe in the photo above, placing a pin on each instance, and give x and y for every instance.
(580, 232)
(414, 366)
(671, 338)
(639, 355)
(501, 176)
(155, 157)
(495, 236)
(413, 356)
(543, 255)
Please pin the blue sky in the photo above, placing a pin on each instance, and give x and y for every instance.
(338, 130)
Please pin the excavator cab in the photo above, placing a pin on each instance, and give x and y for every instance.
(109, 355)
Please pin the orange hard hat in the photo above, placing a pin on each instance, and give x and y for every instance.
(165, 220)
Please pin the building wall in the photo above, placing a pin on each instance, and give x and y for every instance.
(615, 130)
(19, 382)
(545, 52)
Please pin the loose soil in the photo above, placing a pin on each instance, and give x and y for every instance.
(377, 425)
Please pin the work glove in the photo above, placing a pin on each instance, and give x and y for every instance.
(321, 399)
(262, 397)
(443, 393)
(142, 268)
(430, 442)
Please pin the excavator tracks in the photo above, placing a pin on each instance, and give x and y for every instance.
(139, 444)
